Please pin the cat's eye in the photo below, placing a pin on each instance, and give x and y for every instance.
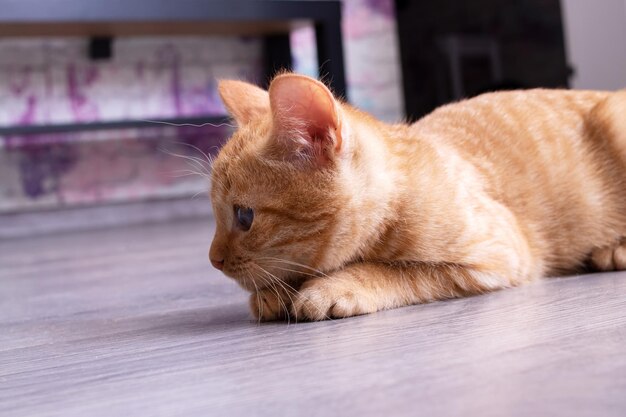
(244, 216)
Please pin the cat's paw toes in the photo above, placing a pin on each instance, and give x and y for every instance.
(325, 298)
(266, 305)
(610, 258)
(349, 305)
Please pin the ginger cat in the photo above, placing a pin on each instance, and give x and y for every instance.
(323, 211)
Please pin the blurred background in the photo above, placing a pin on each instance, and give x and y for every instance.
(78, 147)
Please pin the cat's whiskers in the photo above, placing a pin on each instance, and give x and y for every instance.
(266, 284)
(266, 281)
(308, 274)
(271, 285)
(276, 280)
(293, 263)
(197, 166)
(283, 283)
(197, 194)
(162, 122)
(296, 292)
(206, 156)
(258, 302)
(287, 289)
(200, 163)
(188, 172)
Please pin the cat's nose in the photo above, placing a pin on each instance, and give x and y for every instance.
(217, 253)
(217, 264)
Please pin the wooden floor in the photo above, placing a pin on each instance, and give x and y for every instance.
(134, 322)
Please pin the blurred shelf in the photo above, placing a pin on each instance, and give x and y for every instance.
(273, 19)
(197, 121)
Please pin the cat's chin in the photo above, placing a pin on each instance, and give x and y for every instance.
(252, 286)
(245, 281)
(248, 284)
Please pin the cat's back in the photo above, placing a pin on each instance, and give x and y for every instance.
(510, 116)
(519, 135)
(545, 154)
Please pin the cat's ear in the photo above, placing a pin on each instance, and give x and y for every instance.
(304, 109)
(243, 101)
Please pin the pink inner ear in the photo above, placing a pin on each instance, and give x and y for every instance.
(303, 104)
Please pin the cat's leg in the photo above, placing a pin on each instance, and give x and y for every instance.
(495, 255)
(610, 258)
(272, 302)
(368, 287)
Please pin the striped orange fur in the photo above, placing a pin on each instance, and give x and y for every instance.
(353, 215)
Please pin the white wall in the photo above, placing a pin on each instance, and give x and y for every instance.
(595, 39)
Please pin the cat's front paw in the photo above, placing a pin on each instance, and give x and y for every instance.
(610, 258)
(329, 297)
(269, 304)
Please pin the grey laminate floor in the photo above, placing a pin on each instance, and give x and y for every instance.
(133, 322)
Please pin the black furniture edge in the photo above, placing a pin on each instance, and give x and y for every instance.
(85, 11)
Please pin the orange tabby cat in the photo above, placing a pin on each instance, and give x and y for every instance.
(323, 211)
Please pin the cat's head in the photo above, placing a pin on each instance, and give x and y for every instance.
(282, 186)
